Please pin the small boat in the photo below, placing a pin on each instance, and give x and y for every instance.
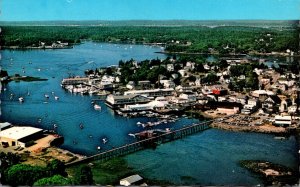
(130, 134)
(98, 148)
(139, 123)
(21, 99)
(81, 126)
(47, 96)
(104, 140)
(97, 107)
(55, 126)
(56, 97)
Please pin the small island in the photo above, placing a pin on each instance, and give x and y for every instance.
(271, 173)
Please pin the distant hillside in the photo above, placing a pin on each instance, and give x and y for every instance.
(175, 23)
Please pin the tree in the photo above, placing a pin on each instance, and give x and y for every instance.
(54, 180)
(56, 167)
(22, 174)
(84, 176)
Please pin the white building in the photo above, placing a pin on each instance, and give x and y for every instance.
(19, 136)
(189, 96)
(283, 120)
(170, 67)
(182, 72)
(128, 181)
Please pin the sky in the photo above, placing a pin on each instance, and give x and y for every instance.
(44, 10)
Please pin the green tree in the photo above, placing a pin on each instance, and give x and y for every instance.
(54, 180)
(56, 167)
(84, 176)
(22, 174)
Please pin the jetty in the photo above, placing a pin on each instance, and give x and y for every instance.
(146, 143)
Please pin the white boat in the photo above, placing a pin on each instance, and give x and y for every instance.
(47, 96)
(139, 123)
(21, 99)
(97, 107)
(104, 140)
(56, 97)
(98, 147)
(130, 134)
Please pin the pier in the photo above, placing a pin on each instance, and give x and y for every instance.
(146, 143)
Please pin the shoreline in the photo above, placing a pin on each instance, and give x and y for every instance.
(217, 54)
(280, 54)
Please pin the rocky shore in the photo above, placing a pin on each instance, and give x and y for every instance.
(267, 128)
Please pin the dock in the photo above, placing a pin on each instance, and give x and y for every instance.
(146, 143)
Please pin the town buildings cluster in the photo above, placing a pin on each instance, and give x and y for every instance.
(274, 93)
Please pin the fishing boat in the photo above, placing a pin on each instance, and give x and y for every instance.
(47, 96)
(56, 97)
(21, 99)
(81, 126)
(97, 107)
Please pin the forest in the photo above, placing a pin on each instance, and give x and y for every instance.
(188, 39)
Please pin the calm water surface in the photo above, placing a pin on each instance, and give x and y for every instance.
(208, 158)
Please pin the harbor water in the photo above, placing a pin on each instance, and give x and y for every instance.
(207, 158)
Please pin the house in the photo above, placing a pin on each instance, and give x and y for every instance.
(250, 107)
(206, 67)
(289, 83)
(175, 75)
(292, 109)
(198, 82)
(20, 136)
(285, 103)
(167, 83)
(182, 72)
(144, 84)
(170, 67)
(130, 85)
(190, 66)
(228, 110)
(271, 104)
(114, 101)
(219, 91)
(189, 96)
(128, 181)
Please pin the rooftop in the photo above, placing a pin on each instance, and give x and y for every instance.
(17, 133)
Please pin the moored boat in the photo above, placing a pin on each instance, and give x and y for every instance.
(97, 107)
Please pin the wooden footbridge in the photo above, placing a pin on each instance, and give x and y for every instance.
(146, 143)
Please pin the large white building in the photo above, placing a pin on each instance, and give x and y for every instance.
(283, 120)
(19, 136)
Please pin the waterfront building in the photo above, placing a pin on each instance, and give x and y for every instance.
(151, 93)
(118, 101)
(75, 81)
(283, 120)
(19, 136)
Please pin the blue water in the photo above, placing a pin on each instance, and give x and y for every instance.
(210, 157)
